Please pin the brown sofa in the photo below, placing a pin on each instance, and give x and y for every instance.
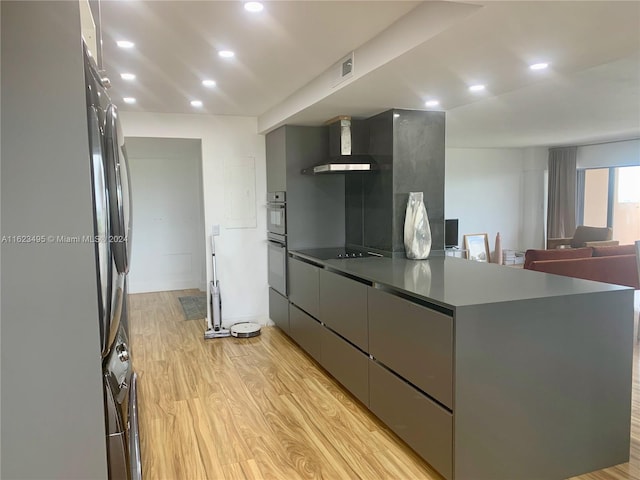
(609, 264)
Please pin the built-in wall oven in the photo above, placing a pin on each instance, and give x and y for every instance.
(277, 213)
(277, 239)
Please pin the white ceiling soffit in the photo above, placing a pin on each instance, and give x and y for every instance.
(599, 104)
(591, 92)
(419, 25)
(277, 51)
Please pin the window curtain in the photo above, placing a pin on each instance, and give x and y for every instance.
(561, 213)
(581, 179)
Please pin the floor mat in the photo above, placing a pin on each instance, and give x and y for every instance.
(194, 307)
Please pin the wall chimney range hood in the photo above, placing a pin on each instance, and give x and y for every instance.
(345, 137)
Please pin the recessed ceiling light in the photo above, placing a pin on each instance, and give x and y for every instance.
(129, 100)
(253, 6)
(196, 103)
(209, 83)
(476, 88)
(125, 44)
(226, 53)
(431, 103)
(538, 66)
(128, 76)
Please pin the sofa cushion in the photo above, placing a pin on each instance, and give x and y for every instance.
(617, 250)
(617, 269)
(533, 255)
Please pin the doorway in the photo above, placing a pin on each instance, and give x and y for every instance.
(168, 235)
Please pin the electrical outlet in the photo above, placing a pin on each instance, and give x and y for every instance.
(215, 230)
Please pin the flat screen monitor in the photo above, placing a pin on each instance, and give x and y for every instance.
(451, 233)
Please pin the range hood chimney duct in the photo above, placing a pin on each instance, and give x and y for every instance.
(341, 145)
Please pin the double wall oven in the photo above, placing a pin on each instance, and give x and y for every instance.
(277, 238)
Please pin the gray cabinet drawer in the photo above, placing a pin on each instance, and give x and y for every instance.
(343, 307)
(423, 424)
(304, 286)
(414, 341)
(346, 363)
(305, 330)
(279, 310)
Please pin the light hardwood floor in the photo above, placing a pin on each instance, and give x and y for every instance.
(261, 408)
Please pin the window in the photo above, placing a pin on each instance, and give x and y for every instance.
(628, 185)
(611, 197)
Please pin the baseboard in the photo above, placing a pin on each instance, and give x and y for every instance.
(146, 287)
(263, 320)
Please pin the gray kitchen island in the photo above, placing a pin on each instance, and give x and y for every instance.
(487, 372)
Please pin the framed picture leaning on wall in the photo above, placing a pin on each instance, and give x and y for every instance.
(477, 247)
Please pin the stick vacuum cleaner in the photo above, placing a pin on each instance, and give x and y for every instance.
(214, 318)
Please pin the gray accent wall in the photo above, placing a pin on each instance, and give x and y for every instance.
(364, 210)
(418, 166)
(315, 204)
(378, 187)
(408, 148)
(52, 398)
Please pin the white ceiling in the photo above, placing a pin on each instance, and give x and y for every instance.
(590, 93)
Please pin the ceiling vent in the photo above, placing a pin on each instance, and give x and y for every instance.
(344, 69)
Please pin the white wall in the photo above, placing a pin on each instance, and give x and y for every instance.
(504, 189)
(497, 190)
(241, 253)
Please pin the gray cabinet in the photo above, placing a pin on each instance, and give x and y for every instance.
(460, 408)
(305, 330)
(423, 424)
(276, 160)
(408, 381)
(279, 310)
(304, 286)
(346, 363)
(414, 341)
(343, 307)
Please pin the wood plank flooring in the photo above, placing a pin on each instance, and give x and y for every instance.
(260, 408)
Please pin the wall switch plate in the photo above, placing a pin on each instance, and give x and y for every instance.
(215, 230)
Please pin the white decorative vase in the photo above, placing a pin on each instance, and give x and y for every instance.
(417, 233)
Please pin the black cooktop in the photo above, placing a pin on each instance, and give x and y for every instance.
(337, 253)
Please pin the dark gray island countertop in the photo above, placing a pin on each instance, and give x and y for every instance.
(508, 354)
(455, 282)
